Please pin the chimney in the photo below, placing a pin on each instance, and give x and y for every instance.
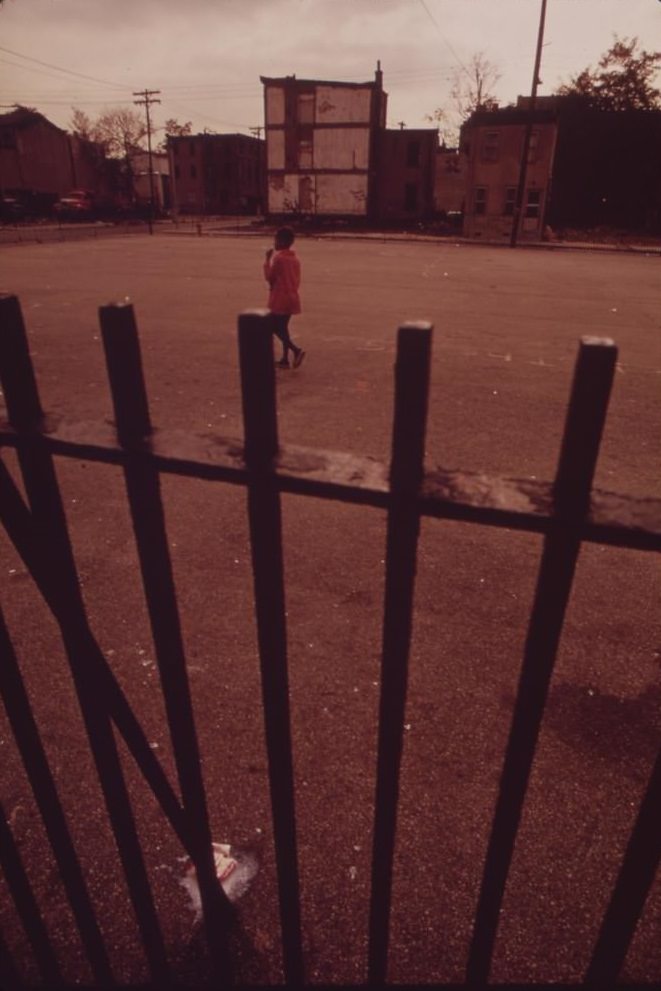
(378, 75)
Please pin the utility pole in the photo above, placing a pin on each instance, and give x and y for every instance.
(146, 101)
(523, 168)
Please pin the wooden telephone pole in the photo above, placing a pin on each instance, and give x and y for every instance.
(146, 101)
(523, 168)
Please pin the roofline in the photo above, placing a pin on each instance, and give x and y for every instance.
(294, 80)
(510, 115)
(219, 134)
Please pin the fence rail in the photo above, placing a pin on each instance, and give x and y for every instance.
(566, 512)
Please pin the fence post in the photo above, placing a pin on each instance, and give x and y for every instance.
(406, 472)
(640, 864)
(593, 378)
(261, 447)
(59, 570)
(124, 364)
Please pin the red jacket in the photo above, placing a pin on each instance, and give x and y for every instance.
(283, 274)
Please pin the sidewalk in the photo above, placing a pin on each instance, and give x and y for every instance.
(246, 227)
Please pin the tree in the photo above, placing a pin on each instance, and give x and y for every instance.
(81, 124)
(173, 129)
(623, 80)
(471, 89)
(119, 131)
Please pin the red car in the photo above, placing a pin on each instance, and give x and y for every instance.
(76, 205)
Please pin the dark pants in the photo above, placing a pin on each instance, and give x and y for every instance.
(281, 331)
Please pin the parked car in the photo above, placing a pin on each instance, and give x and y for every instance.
(76, 205)
(12, 209)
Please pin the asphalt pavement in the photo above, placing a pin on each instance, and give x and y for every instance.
(506, 326)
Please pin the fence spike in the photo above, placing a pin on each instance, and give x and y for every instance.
(406, 473)
(19, 384)
(593, 378)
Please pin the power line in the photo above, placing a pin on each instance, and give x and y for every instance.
(444, 39)
(69, 72)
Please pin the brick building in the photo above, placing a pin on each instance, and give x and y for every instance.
(406, 166)
(217, 173)
(35, 156)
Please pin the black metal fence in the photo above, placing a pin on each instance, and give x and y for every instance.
(566, 512)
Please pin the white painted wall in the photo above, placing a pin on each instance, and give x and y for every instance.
(341, 148)
(339, 105)
(342, 194)
(283, 193)
(345, 194)
(275, 147)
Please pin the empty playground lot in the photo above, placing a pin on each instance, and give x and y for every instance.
(506, 330)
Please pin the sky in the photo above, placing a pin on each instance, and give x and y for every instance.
(206, 56)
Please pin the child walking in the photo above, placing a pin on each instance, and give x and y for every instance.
(282, 271)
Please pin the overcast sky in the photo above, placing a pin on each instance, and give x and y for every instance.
(206, 56)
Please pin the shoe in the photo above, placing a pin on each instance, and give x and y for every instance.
(298, 358)
(283, 364)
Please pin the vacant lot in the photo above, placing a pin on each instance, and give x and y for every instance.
(506, 329)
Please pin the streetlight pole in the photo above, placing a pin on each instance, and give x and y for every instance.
(523, 168)
(147, 99)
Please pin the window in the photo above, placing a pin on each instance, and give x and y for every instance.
(177, 172)
(193, 172)
(413, 154)
(490, 143)
(480, 203)
(510, 201)
(305, 199)
(305, 153)
(191, 147)
(533, 147)
(305, 108)
(411, 197)
(533, 203)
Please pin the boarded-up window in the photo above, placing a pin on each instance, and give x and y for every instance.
(305, 194)
(305, 153)
(411, 197)
(490, 144)
(305, 108)
(480, 202)
(413, 153)
(533, 147)
(533, 203)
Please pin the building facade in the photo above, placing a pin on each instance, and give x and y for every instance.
(405, 174)
(492, 143)
(160, 179)
(217, 173)
(35, 156)
(322, 146)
